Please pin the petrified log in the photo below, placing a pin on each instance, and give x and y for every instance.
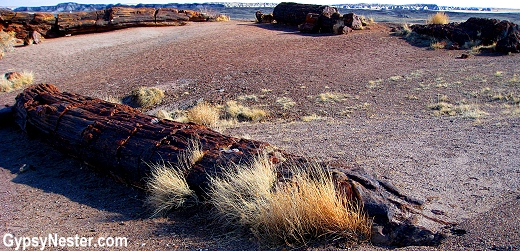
(49, 25)
(505, 34)
(295, 14)
(121, 141)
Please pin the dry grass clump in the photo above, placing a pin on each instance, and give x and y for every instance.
(286, 103)
(239, 112)
(5, 85)
(438, 45)
(167, 183)
(465, 110)
(7, 42)
(331, 97)
(438, 18)
(16, 81)
(147, 96)
(204, 114)
(294, 212)
(312, 117)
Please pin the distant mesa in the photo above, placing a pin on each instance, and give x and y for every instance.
(75, 7)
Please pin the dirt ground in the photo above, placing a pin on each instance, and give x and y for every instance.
(465, 165)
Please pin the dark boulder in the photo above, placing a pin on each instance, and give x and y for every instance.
(476, 31)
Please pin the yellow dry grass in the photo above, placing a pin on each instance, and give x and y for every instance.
(285, 102)
(167, 184)
(234, 110)
(147, 96)
(204, 114)
(438, 18)
(5, 85)
(465, 110)
(294, 212)
(19, 80)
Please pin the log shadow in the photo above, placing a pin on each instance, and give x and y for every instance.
(287, 29)
(52, 171)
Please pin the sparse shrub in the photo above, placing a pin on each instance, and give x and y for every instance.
(285, 103)
(295, 212)
(331, 97)
(403, 31)
(438, 45)
(312, 117)
(438, 18)
(465, 110)
(204, 114)
(167, 183)
(147, 96)
(237, 111)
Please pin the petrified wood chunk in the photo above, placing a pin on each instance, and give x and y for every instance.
(295, 14)
(119, 140)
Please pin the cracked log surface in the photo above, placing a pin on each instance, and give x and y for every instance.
(120, 140)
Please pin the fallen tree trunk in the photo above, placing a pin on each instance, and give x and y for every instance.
(121, 141)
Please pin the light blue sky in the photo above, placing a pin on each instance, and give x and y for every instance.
(510, 4)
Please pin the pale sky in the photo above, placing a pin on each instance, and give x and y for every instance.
(509, 4)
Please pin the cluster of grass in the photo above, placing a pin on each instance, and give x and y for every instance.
(234, 110)
(7, 42)
(444, 108)
(286, 103)
(167, 183)
(147, 96)
(331, 97)
(16, 81)
(213, 116)
(294, 212)
(438, 18)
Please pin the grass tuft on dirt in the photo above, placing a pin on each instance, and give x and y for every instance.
(147, 96)
(294, 212)
(438, 18)
(234, 110)
(17, 80)
(204, 114)
(167, 184)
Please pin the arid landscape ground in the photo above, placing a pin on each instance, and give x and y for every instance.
(442, 129)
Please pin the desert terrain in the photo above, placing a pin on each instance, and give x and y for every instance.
(443, 129)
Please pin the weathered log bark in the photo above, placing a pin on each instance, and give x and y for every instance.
(121, 141)
(49, 25)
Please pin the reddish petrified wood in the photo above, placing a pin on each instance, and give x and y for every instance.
(121, 141)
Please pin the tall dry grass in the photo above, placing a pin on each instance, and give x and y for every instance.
(167, 184)
(438, 18)
(147, 96)
(295, 212)
(19, 80)
(204, 114)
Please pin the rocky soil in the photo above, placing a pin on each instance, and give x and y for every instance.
(378, 116)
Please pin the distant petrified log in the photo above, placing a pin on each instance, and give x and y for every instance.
(505, 34)
(121, 141)
(62, 24)
(295, 14)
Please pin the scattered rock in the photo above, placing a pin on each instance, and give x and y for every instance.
(12, 75)
(353, 21)
(264, 18)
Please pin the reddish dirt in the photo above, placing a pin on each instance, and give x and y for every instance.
(467, 169)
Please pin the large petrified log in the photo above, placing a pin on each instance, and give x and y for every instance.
(50, 25)
(121, 141)
(505, 34)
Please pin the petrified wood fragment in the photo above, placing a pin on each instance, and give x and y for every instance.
(121, 141)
